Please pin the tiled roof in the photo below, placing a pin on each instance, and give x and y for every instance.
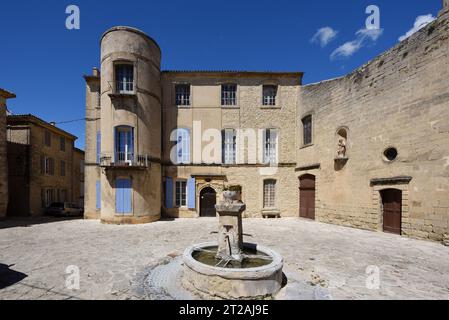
(29, 118)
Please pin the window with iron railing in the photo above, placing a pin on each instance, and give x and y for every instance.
(124, 145)
(229, 95)
(269, 95)
(124, 78)
(182, 95)
(270, 146)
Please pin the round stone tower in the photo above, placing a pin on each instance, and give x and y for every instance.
(130, 155)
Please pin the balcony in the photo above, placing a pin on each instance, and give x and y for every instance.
(122, 89)
(125, 160)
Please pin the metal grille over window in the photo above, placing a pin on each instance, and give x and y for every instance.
(124, 76)
(181, 194)
(182, 95)
(269, 199)
(269, 95)
(229, 146)
(229, 95)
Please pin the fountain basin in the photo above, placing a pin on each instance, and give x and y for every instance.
(208, 281)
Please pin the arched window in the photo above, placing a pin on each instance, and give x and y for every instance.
(229, 139)
(269, 194)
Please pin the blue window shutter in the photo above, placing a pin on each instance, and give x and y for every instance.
(98, 187)
(119, 196)
(169, 193)
(127, 196)
(191, 193)
(98, 146)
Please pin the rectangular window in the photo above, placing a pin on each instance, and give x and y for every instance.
(48, 197)
(124, 145)
(229, 95)
(269, 194)
(229, 146)
(62, 168)
(62, 143)
(181, 194)
(307, 130)
(49, 166)
(124, 77)
(182, 95)
(270, 146)
(183, 146)
(47, 138)
(269, 95)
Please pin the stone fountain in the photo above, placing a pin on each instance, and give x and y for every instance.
(230, 268)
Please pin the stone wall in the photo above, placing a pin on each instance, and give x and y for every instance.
(3, 160)
(400, 99)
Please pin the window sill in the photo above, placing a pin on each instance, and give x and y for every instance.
(230, 107)
(270, 107)
(184, 107)
(307, 146)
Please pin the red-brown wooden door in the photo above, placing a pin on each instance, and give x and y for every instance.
(392, 210)
(307, 197)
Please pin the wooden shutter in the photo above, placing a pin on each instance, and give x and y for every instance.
(98, 195)
(191, 193)
(169, 193)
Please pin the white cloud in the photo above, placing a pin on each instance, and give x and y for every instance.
(364, 37)
(324, 36)
(420, 22)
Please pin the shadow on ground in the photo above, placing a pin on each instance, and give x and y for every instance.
(8, 277)
(24, 222)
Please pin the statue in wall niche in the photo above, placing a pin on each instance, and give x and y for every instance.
(341, 149)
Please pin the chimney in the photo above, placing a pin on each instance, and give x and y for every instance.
(95, 72)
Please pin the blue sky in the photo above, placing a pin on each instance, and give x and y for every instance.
(43, 62)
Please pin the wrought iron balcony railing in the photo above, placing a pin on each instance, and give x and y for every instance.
(122, 87)
(124, 159)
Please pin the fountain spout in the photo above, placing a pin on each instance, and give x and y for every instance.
(230, 235)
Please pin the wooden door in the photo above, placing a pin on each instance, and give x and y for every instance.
(392, 210)
(208, 200)
(307, 197)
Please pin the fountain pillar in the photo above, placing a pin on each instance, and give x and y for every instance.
(230, 234)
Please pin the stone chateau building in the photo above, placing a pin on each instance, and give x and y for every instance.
(367, 150)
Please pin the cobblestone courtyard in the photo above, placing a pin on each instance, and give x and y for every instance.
(111, 258)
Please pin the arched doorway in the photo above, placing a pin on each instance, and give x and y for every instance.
(307, 196)
(208, 200)
(392, 210)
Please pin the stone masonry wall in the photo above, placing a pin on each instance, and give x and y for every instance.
(3, 161)
(400, 99)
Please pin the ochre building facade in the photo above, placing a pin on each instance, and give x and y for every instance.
(367, 150)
